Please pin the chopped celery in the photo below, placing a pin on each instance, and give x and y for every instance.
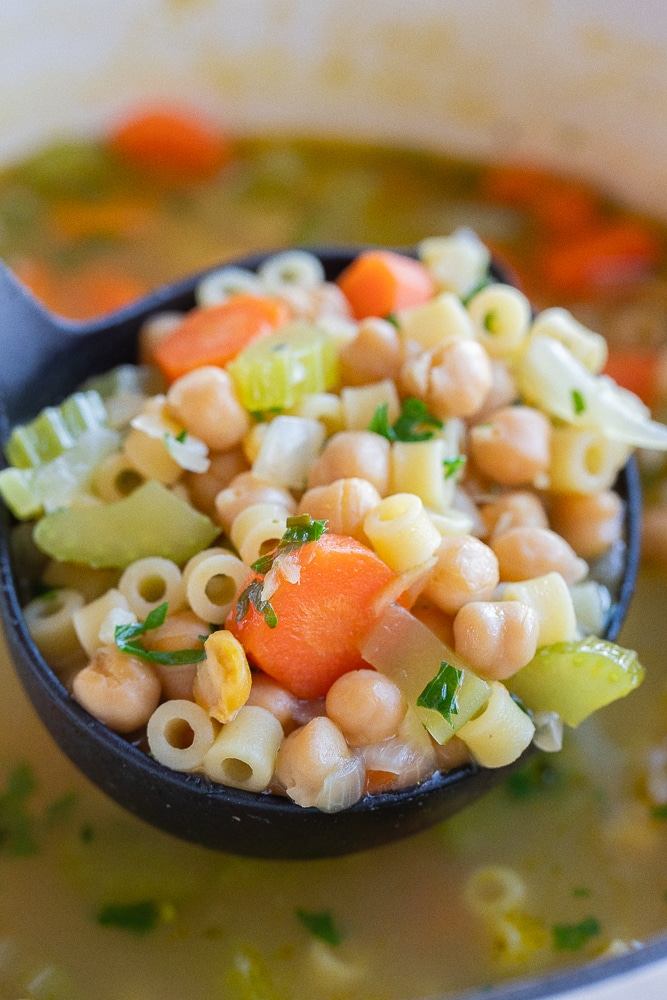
(151, 521)
(577, 678)
(30, 492)
(55, 430)
(404, 649)
(274, 372)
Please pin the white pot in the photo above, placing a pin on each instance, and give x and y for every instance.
(579, 85)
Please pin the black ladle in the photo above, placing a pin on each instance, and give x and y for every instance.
(44, 358)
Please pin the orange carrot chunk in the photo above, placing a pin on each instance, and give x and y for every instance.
(379, 282)
(84, 294)
(612, 256)
(321, 619)
(636, 369)
(171, 143)
(213, 335)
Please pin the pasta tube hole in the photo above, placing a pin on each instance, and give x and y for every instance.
(152, 588)
(235, 771)
(220, 589)
(179, 734)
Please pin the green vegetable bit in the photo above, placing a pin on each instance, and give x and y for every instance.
(275, 371)
(55, 430)
(414, 422)
(575, 679)
(321, 925)
(572, 937)
(442, 693)
(128, 640)
(138, 918)
(151, 521)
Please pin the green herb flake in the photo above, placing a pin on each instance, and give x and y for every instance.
(321, 925)
(128, 639)
(414, 422)
(137, 918)
(659, 812)
(578, 402)
(581, 892)
(299, 530)
(441, 693)
(17, 824)
(538, 776)
(182, 437)
(452, 466)
(572, 937)
(394, 320)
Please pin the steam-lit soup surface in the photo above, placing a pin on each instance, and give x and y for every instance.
(564, 864)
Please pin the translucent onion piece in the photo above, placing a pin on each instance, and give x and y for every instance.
(551, 378)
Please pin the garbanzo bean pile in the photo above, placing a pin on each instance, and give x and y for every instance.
(339, 534)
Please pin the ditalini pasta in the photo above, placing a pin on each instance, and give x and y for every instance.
(352, 551)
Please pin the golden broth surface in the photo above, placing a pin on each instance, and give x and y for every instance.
(94, 903)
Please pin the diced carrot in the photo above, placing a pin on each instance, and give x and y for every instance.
(514, 183)
(379, 282)
(82, 294)
(321, 619)
(114, 217)
(612, 256)
(566, 209)
(213, 335)
(635, 369)
(171, 143)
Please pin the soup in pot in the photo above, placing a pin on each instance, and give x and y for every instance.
(561, 865)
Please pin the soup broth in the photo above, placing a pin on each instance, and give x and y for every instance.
(562, 865)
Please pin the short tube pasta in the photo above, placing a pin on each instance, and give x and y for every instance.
(212, 584)
(49, 621)
(244, 752)
(360, 403)
(584, 460)
(180, 734)
(494, 891)
(148, 582)
(501, 732)
(257, 529)
(401, 531)
(501, 314)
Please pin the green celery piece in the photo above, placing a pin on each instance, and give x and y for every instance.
(577, 678)
(30, 492)
(151, 521)
(54, 430)
(274, 372)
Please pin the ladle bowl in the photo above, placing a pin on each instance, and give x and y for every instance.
(44, 358)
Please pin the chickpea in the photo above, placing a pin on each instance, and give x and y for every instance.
(205, 402)
(353, 454)
(374, 354)
(203, 487)
(121, 691)
(312, 757)
(503, 391)
(520, 508)
(590, 522)
(526, 552)
(454, 379)
(182, 630)
(513, 447)
(466, 570)
(496, 638)
(246, 489)
(343, 504)
(269, 694)
(366, 706)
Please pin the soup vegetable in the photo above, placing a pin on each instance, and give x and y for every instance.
(380, 494)
(467, 904)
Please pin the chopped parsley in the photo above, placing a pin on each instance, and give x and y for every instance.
(538, 776)
(17, 824)
(299, 530)
(137, 918)
(659, 812)
(321, 925)
(572, 937)
(441, 694)
(578, 402)
(414, 423)
(128, 639)
(453, 465)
